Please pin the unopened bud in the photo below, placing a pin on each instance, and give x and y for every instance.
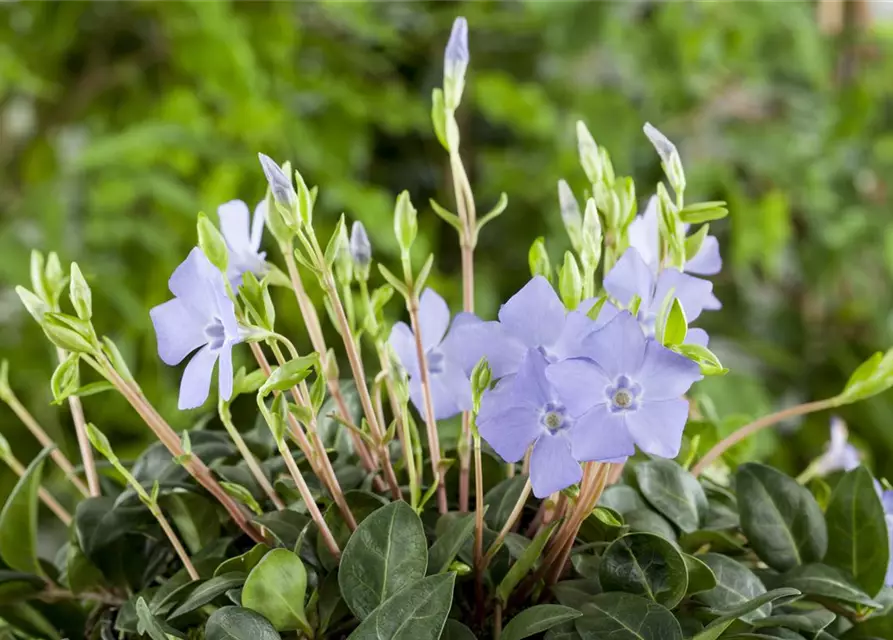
(35, 306)
(538, 259)
(360, 250)
(69, 333)
(405, 222)
(284, 193)
(591, 250)
(570, 282)
(343, 258)
(669, 156)
(589, 155)
(455, 63)
(481, 376)
(570, 214)
(80, 294)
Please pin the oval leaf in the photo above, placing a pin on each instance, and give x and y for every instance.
(647, 565)
(416, 613)
(236, 623)
(275, 588)
(828, 582)
(781, 518)
(455, 630)
(622, 616)
(207, 591)
(449, 543)
(700, 576)
(736, 586)
(386, 553)
(536, 620)
(673, 491)
(18, 520)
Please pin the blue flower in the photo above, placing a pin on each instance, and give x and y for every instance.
(243, 238)
(450, 387)
(635, 389)
(887, 501)
(563, 426)
(840, 455)
(200, 316)
(632, 276)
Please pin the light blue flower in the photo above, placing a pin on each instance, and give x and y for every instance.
(243, 238)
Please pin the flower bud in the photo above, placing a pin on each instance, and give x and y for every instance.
(38, 275)
(343, 259)
(35, 306)
(405, 222)
(69, 333)
(481, 376)
(538, 259)
(360, 250)
(570, 214)
(56, 279)
(80, 294)
(570, 282)
(669, 156)
(589, 155)
(283, 192)
(455, 63)
(591, 249)
(212, 244)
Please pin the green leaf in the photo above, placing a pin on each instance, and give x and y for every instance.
(676, 326)
(622, 498)
(700, 575)
(15, 585)
(455, 630)
(780, 518)
(719, 541)
(812, 621)
(450, 542)
(386, 553)
(492, 214)
(827, 582)
(673, 491)
(438, 117)
(537, 619)
(286, 525)
(647, 521)
(27, 618)
(211, 242)
(18, 520)
(195, 517)
(149, 625)
(330, 605)
(857, 531)
(873, 376)
(446, 215)
(501, 499)
(645, 564)
(622, 616)
(415, 613)
(736, 585)
(245, 562)
(208, 591)
(706, 359)
(704, 212)
(66, 378)
(290, 374)
(237, 623)
(743, 611)
(525, 562)
(876, 628)
(576, 593)
(362, 504)
(694, 242)
(275, 588)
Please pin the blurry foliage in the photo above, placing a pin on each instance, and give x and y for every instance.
(120, 121)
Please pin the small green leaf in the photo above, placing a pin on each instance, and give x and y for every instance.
(455, 630)
(676, 326)
(66, 378)
(673, 491)
(386, 553)
(149, 625)
(704, 357)
(237, 623)
(245, 562)
(810, 621)
(68, 332)
(243, 495)
(695, 241)
(525, 562)
(537, 619)
(873, 376)
(211, 242)
(492, 214)
(286, 525)
(538, 259)
(447, 546)
(647, 565)
(446, 215)
(623, 616)
(746, 611)
(736, 587)
(393, 280)
(209, 590)
(18, 520)
(275, 588)
(79, 293)
(418, 612)
(290, 374)
(827, 582)
(438, 117)
(704, 212)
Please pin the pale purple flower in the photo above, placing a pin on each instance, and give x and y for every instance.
(887, 501)
(839, 455)
(200, 316)
(533, 318)
(280, 184)
(633, 392)
(632, 276)
(644, 237)
(243, 237)
(564, 426)
(456, 54)
(450, 387)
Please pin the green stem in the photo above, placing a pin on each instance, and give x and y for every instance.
(253, 466)
(509, 524)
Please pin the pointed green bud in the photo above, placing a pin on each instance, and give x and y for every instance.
(343, 259)
(607, 166)
(670, 229)
(100, 442)
(570, 282)
(538, 259)
(35, 306)
(80, 294)
(330, 367)
(438, 117)
(481, 376)
(306, 199)
(212, 244)
(670, 160)
(455, 63)
(625, 190)
(570, 214)
(38, 275)
(360, 251)
(589, 154)
(66, 378)
(405, 222)
(56, 279)
(69, 333)
(591, 249)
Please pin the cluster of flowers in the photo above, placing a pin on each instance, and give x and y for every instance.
(576, 388)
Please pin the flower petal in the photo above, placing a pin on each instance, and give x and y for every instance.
(577, 327)
(257, 224)
(694, 294)
(190, 280)
(470, 338)
(196, 381)
(697, 336)
(450, 392)
(665, 374)
(403, 343)
(434, 317)
(234, 225)
(552, 467)
(618, 348)
(656, 427)
(579, 383)
(600, 435)
(511, 432)
(644, 236)
(630, 277)
(177, 330)
(530, 386)
(534, 315)
(707, 261)
(225, 372)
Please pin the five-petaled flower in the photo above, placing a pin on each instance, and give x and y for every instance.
(840, 455)
(449, 384)
(200, 315)
(243, 238)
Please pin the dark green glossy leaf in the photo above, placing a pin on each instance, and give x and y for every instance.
(780, 518)
(622, 616)
(237, 623)
(744, 611)
(330, 605)
(455, 534)
(700, 576)
(149, 625)
(416, 613)
(537, 619)
(576, 593)
(501, 499)
(15, 584)
(622, 498)
(455, 630)
(386, 553)
(18, 520)
(828, 582)
(880, 627)
(21, 615)
(719, 541)
(811, 621)
(566, 631)
(195, 517)
(647, 565)
(243, 563)
(857, 531)
(647, 521)
(275, 588)
(736, 586)
(673, 491)
(285, 525)
(208, 590)
(361, 504)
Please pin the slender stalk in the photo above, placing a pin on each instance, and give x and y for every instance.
(168, 437)
(616, 472)
(45, 441)
(175, 542)
(401, 414)
(479, 563)
(428, 402)
(758, 425)
(509, 524)
(497, 621)
(80, 429)
(253, 466)
(45, 496)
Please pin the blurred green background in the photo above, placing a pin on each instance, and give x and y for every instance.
(120, 121)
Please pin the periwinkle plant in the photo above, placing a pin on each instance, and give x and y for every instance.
(586, 496)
